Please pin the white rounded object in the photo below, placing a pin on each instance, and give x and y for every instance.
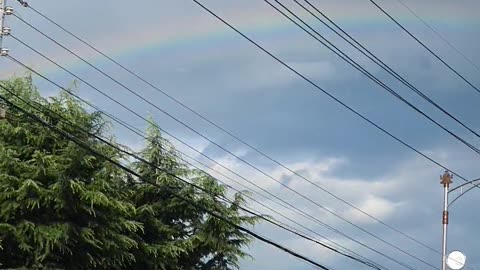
(456, 260)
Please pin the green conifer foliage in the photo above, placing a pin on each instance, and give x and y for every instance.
(63, 208)
(60, 207)
(178, 235)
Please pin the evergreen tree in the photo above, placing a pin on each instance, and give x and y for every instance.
(178, 235)
(60, 206)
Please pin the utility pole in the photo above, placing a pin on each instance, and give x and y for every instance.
(4, 31)
(446, 181)
(2, 18)
(2, 13)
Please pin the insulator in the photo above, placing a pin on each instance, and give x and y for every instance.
(8, 10)
(4, 51)
(6, 31)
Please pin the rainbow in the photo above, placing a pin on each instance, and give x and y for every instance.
(210, 38)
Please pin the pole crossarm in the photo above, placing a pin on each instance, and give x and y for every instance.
(474, 183)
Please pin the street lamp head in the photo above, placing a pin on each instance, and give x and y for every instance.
(446, 179)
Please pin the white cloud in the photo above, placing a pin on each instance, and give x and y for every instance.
(389, 197)
(376, 206)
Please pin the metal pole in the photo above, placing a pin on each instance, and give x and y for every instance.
(4, 10)
(3, 4)
(446, 181)
(2, 18)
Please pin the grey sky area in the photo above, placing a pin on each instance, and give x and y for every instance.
(198, 60)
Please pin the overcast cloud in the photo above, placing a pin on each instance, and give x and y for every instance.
(216, 72)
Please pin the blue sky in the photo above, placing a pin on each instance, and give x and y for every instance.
(213, 70)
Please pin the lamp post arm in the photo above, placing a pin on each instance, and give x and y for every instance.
(467, 183)
(463, 193)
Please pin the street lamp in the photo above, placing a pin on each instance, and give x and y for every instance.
(446, 181)
(456, 260)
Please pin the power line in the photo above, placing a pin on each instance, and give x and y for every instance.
(275, 196)
(381, 62)
(357, 66)
(203, 136)
(347, 221)
(378, 61)
(425, 46)
(121, 122)
(365, 261)
(363, 71)
(325, 92)
(234, 136)
(392, 72)
(276, 180)
(252, 166)
(438, 34)
(198, 114)
(271, 55)
(142, 134)
(117, 147)
(78, 142)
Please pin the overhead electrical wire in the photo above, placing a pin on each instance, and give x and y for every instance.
(212, 141)
(351, 63)
(437, 33)
(365, 51)
(42, 109)
(302, 76)
(260, 171)
(212, 213)
(275, 196)
(360, 68)
(326, 92)
(203, 117)
(424, 46)
(296, 210)
(349, 253)
(278, 60)
(362, 49)
(229, 133)
(147, 101)
(143, 135)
